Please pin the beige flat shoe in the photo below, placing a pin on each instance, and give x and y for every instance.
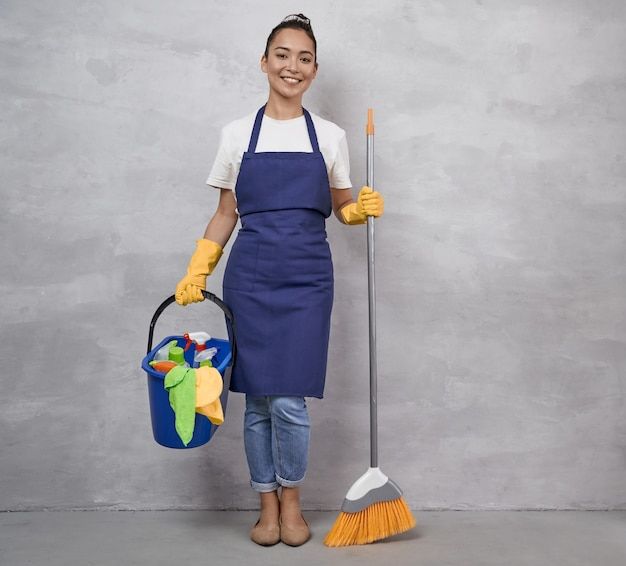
(294, 536)
(265, 536)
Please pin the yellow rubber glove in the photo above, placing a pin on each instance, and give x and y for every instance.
(369, 203)
(201, 265)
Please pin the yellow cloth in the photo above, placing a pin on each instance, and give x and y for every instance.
(201, 265)
(209, 387)
(369, 203)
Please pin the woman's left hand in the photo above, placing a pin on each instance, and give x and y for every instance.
(370, 202)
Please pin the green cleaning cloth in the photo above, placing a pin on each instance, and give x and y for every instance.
(180, 382)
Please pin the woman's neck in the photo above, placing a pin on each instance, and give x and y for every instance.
(283, 109)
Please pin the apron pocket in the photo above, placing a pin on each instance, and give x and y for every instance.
(294, 262)
(240, 272)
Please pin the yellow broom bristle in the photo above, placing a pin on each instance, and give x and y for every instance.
(377, 521)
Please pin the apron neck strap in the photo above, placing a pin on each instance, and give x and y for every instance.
(257, 128)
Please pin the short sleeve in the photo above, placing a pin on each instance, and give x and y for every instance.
(222, 173)
(340, 171)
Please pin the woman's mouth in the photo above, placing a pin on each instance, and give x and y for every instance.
(290, 80)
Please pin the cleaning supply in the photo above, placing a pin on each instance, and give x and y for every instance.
(209, 387)
(204, 357)
(201, 265)
(369, 203)
(177, 355)
(164, 352)
(180, 382)
(200, 339)
(194, 391)
(162, 415)
(162, 365)
(373, 508)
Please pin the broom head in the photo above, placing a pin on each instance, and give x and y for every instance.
(373, 509)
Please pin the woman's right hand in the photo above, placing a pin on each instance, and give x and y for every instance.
(186, 292)
(201, 265)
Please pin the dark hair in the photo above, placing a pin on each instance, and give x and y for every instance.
(293, 21)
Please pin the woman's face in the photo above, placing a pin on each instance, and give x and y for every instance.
(290, 55)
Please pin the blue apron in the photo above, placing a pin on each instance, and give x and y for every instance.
(278, 280)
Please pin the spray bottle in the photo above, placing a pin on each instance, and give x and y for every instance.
(200, 339)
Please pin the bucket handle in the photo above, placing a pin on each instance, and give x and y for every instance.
(207, 295)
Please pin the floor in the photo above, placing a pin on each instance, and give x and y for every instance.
(442, 538)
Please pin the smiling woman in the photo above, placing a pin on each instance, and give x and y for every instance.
(281, 170)
(289, 59)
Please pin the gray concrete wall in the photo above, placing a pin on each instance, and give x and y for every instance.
(500, 149)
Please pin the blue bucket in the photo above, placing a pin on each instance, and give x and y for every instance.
(161, 412)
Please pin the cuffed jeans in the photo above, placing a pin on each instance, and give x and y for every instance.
(276, 438)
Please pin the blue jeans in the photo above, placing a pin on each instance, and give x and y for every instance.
(276, 438)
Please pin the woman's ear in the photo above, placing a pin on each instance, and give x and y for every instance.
(263, 63)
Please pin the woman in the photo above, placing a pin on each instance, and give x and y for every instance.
(278, 280)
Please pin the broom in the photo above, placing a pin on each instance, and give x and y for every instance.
(373, 508)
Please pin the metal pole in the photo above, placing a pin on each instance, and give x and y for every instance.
(371, 287)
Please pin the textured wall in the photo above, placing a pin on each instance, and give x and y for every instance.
(500, 148)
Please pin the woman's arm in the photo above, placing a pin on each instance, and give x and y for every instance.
(209, 249)
(224, 220)
(368, 203)
(340, 198)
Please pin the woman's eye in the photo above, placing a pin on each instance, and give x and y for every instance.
(306, 60)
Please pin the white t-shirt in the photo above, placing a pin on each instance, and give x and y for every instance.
(280, 135)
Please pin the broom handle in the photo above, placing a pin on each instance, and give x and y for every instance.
(371, 291)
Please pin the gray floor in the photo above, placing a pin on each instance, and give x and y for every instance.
(442, 538)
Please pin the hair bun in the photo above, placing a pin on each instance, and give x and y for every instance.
(301, 18)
